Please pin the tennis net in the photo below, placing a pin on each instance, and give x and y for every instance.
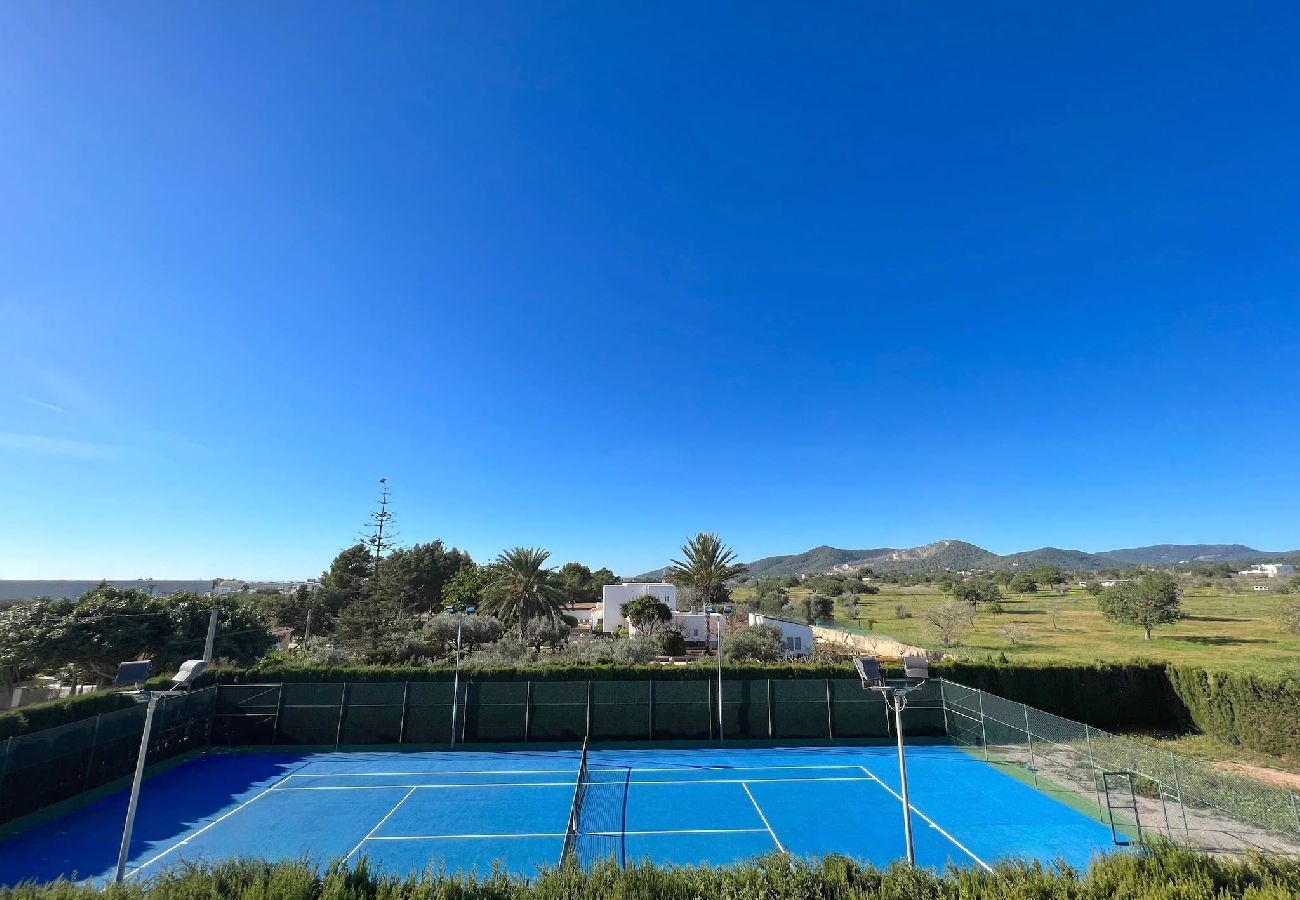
(575, 811)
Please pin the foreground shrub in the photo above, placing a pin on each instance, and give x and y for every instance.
(1165, 873)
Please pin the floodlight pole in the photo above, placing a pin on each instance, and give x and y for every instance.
(899, 702)
(455, 680)
(212, 637)
(131, 805)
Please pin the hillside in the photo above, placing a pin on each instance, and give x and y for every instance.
(1173, 554)
(1054, 556)
(818, 559)
(958, 556)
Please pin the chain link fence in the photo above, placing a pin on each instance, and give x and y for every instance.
(1142, 791)
(59, 763)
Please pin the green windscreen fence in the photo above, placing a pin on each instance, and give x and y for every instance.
(45, 767)
(56, 764)
(508, 712)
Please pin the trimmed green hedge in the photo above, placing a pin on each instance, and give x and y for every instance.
(1164, 874)
(1259, 712)
(1110, 696)
(40, 716)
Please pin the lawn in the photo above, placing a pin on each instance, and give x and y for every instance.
(1222, 630)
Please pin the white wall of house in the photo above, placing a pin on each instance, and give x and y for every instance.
(1268, 570)
(613, 596)
(697, 627)
(798, 637)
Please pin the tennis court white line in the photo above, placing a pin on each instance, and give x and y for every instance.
(379, 824)
(567, 772)
(758, 809)
(568, 784)
(560, 834)
(149, 862)
(931, 822)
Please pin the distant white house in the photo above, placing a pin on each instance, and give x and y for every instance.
(1268, 570)
(1259, 587)
(1111, 582)
(797, 637)
(696, 626)
(613, 596)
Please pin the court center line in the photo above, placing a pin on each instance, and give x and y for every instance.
(758, 809)
(931, 822)
(379, 824)
(180, 843)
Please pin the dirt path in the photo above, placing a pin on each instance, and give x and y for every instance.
(1259, 773)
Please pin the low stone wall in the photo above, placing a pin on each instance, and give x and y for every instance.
(871, 645)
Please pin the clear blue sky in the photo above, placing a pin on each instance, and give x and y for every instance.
(597, 276)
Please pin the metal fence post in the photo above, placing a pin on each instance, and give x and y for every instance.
(90, 756)
(1029, 736)
(343, 705)
(279, 711)
(588, 734)
(1178, 786)
(984, 738)
(769, 707)
(651, 711)
(1295, 808)
(1092, 759)
(528, 708)
(9, 748)
(401, 723)
(830, 716)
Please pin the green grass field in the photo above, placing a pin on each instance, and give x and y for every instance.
(1222, 630)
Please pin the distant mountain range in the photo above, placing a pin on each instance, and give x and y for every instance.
(951, 555)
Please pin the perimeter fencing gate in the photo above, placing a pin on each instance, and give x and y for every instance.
(1143, 792)
(59, 763)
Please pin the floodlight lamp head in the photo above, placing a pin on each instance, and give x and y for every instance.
(917, 667)
(189, 670)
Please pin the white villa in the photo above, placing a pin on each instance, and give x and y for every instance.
(797, 636)
(1268, 570)
(613, 596)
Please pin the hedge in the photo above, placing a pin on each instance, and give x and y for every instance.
(1166, 873)
(53, 713)
(1255, 711)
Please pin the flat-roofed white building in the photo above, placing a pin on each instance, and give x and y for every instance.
(613, 596)
(1268, 570)
(797, 637)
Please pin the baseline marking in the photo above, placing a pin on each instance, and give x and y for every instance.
(962, 847)
(378, 824)
(758, 809)
(531, 784)
(180, 843)
(682, 768)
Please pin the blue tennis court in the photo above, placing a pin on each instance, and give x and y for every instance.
(468, 810)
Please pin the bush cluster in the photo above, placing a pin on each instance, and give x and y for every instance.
(1165, 873)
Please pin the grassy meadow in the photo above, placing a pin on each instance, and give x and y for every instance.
(1221, 630)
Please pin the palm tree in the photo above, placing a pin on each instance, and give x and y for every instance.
(709, 564)
(521, 588)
